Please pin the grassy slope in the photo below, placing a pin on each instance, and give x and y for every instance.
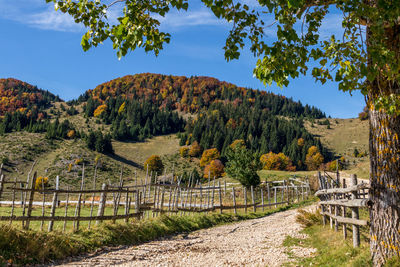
(344, 136)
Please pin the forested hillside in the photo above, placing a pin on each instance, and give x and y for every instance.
(145, 105)
(137, 107)
(194, 93)
(16, 95)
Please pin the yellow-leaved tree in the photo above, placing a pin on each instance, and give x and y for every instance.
(314, 158)
(155, 164)
(208, 156)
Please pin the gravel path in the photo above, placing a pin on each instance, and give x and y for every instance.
(255, 242)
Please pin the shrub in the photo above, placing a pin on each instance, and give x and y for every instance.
(237, 143)
(69, 167)
(195, 150)
(214, 169)
(183, 151)
(78, 161)
(243, 165)
(332, 166)
(155, 164)
(71, 134)
(40, 182)
(314, 158)
(208, 156)
(300, 142)
(272, 161)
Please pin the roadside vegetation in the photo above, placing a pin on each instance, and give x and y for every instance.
(27, 247)
(331, 248)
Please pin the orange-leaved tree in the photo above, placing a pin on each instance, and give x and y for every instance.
(314, 158)
(155, 164)
(280, 161)
(195, 149)
(208, 156)
(99, 110)
(214, 169)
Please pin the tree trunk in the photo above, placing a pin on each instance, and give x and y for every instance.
(385, 185)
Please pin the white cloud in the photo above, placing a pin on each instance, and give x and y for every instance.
(38, 14)
(52, 20)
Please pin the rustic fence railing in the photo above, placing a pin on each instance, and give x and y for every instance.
(336, 200)
(26, 202)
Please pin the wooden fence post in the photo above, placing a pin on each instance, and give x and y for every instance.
(29, 212)
(234, 200)
(2, 181)
(137, 203)
(245, 199)
(344, 214)
(262, 198)
(54, 205)
(354, 214)
(252, 199)
(220, 196)
(102, 204)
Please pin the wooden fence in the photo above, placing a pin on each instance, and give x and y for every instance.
(28, 202)
(336, 198)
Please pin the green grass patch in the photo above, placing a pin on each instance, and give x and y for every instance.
(331, 248)
(25, 247)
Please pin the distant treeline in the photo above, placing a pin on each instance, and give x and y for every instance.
(263, 132)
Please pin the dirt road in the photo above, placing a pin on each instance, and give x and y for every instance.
(255, 242)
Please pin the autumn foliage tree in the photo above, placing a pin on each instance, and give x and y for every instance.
(272, 161)
(154, 164)
(214, 169)
(195, 149)
(208, 156)
(314, 158)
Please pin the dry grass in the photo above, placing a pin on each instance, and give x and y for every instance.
(342, 138)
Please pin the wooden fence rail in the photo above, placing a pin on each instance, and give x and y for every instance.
(25, 202)
(335, 201)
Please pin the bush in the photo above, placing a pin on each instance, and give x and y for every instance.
(183, 151)
(208, 156)
(71, 134)
(214, 169)
(195, 149)
(41, 182)
(155, 164)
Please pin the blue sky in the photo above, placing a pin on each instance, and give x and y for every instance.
(42, 47)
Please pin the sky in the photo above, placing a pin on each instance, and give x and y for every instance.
(42, 47)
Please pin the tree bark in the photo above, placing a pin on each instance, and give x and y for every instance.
(384, 149)
(385, 186)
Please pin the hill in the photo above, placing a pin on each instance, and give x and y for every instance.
(344, 137)
(144, 105)
(16, 95)
(190, 95)
(123, 115)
